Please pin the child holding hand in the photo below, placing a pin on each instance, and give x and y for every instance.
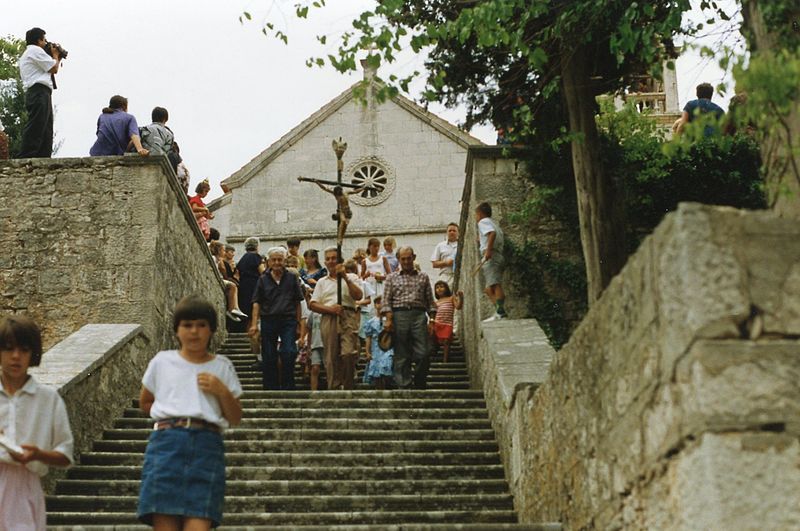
(34, 428)
(446, 305)
(193, 396)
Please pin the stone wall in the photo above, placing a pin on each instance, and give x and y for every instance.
(99, 240)
(675, 405)
(97, 371)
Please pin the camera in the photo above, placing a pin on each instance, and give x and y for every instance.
(62, 53)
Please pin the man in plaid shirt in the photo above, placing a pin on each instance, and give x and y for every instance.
(407, 303)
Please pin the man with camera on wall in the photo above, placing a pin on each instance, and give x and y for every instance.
(37, 68)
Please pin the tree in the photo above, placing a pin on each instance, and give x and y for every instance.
(512, 58)
(12, 97)
(771, 81)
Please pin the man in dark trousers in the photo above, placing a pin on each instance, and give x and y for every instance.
(409, 308)
(277, 302)
(36, 68)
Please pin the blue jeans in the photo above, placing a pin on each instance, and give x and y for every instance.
(273, 328)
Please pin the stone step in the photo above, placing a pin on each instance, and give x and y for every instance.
(358, 403)
(364, 387)
(444, 518)
(344, 527)
(322, 459)
(341, 413)
(245, 368)
(311, 473)
(373, 394)
(304, 434)
(319, 504)
(373, 487)
(333, 423)
(315, 446)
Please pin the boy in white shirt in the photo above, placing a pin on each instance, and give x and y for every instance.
(492, 261)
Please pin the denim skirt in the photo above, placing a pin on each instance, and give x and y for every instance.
(183, 475)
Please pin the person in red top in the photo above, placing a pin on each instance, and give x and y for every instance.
(201, 212)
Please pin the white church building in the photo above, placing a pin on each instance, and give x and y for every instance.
(414, 160)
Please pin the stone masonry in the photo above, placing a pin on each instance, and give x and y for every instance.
(99, 240)
(675, 404)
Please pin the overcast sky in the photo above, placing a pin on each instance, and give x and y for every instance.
(230, 91)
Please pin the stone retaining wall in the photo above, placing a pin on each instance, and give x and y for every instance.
(99, 240)
(675, 405)
(97, 371)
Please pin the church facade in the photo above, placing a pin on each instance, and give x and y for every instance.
(412, 161)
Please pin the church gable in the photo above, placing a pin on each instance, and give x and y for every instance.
(414, 158)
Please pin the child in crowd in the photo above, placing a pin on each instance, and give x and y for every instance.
(313, 270)
(375, 267)
(34, 428)
(311, 337)
(389, 244)
(193, 396)
(379, 367)
(446, 305)
(364, 306)
(293, 246)
(233, 312)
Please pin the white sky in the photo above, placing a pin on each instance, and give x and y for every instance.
(230, 90)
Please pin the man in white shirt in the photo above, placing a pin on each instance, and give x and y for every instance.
(340, 322)
(36, 68)
(444, 255)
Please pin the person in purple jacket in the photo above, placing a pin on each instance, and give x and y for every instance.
(116, 129)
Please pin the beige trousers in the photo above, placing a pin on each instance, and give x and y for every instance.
(340, 339)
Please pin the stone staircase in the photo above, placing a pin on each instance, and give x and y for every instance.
(361, 459)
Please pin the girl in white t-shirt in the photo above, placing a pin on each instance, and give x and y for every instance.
(34, 428)
(193, 396)
(375, 267)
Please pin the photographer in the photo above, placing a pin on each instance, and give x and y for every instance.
(36, 68)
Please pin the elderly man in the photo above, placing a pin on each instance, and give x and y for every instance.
(407, 296)
(277, 302)
(340, 322)
(444, 255)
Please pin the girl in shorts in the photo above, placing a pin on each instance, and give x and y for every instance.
(34, 428)
(446, 305)
(193, 396)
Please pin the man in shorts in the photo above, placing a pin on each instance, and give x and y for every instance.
(491, 247)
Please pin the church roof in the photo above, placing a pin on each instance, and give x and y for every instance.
(260, 161)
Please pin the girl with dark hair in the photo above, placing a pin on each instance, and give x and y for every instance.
(34, 427)
(116, 130)
(313, 270)
(201, 213)
(193, 396)
(446, 305)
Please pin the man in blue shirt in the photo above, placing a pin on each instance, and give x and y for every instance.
(701, 105)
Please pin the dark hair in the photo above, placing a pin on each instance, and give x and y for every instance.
(705, 91)
(447, 291)
(373, 241)
(33, 35)
(116, 102)
(175, 147)
(215, 247)
(313, 253)
(293, 242)
(452, 224)
(213, 234)
(485, 209)
(159, 114)
(202, 185)
(18, 331)
(194, 308)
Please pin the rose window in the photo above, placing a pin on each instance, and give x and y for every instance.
(375, 177)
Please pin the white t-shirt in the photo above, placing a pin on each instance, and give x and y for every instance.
(35, 415)
(444, 251)
(34, 67)
(173, 381)
(486, 226)
(325, 291)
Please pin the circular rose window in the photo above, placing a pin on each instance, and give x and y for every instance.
(375, 177)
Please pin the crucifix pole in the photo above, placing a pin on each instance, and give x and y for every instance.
(339, 147)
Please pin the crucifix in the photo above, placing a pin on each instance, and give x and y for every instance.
(343, 212)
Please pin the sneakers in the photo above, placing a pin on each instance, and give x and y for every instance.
(495, 317)
(239, 313)
(233, 317)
